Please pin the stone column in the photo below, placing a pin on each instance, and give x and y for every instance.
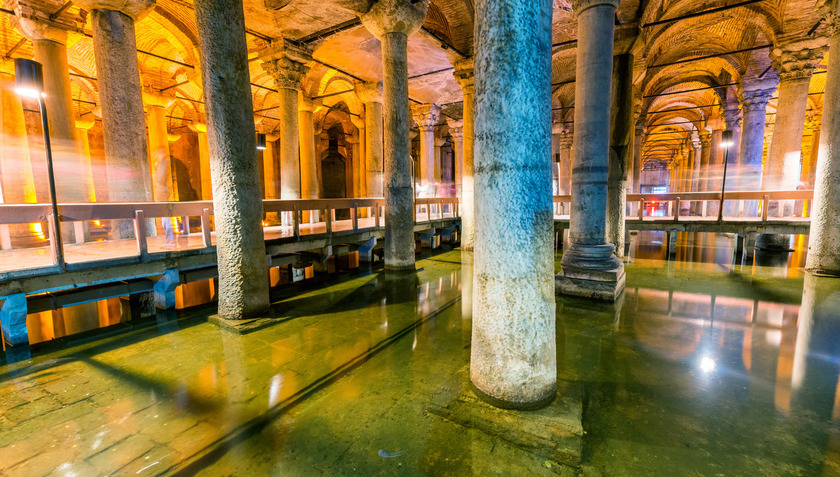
(733, 118)
(359, 164)
(590, 266)
(456, 131)
(308, 162)
(286, 64)
(565, 145)
(705, 169)
(696, 170)
(17, 179)
(442, 187)
(513, 355)
(393, 21)
(370, 94)
(426, 117)
(49, 43)
(824, 242)
(747, 175)
(809, 161)
(121, 99)
(159, 147)
(83, 145)
(639, 132)
(203, 160)
(243, 276)
(270, 168)
(621, 149)
(465, 78)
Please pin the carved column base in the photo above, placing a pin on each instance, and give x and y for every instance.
(591, 271)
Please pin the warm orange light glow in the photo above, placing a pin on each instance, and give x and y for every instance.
(38, 230)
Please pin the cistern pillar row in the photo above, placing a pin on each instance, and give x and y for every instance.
(824, 241)
(590, 266)
(392, 22)
(513, 354)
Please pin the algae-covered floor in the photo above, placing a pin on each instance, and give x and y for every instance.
(703, 368)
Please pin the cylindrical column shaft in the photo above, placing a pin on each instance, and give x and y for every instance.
(513, 355)
(464, 75)
(159, 153)
(290, 174)
(240, 244)
(824, 244)
(308, 167)
(374, 148)
(399, 195)
(621, 149)
(123, 121)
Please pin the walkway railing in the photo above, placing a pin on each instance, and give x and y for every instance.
(759, 206)
(87, 227)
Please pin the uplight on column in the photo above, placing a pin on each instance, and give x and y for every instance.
(260, 142)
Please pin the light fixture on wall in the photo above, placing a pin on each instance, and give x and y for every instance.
(726, 142)
(29, 82)
(260, 142)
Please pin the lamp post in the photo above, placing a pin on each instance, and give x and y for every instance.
(261, 142)
(725, 142)
(29, 82)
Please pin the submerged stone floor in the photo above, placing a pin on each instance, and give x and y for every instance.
(701, 369)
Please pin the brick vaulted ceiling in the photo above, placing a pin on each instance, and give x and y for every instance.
(723, 42)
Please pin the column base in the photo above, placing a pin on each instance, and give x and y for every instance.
(246, 325)
(594, 289)
(591, 271)
(773, 242)
(554, 432)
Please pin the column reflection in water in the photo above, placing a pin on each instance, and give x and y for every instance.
(816, 366)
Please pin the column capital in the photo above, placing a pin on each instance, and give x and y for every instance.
(286, 64)
(705, 139)
(158, 100)
(369, 92)
(456, 128)
(732, 118)
(579, 6)
(813, 120)
(135, 9)
(395, 16)
(358, 121)
(566, 139)
(695, 141)
(798, 60)
(465, 75)
(35, 21)
(198, 128)
(426, 116)
(829, 10)
(755, 99)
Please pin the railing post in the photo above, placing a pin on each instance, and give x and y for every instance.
(205, 227)
(765, 205)
(329, 215)
(429, 212)
(296, 220)
(140, 233)
(55, 244)
(354, 214)
(642, 208)
(376, 213)
(677, 209)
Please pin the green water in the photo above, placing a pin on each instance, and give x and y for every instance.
(702, 368)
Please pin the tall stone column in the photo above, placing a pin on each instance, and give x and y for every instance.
(705, 170)
(203, 160)
(638, 134)
(270, 168)
(159, 147)
(370, 95)
(49, 43)
(83, 145)
(621, 148)
(565, 179)
(590, 266)
(121, 99)
(513, 354)
(393, 21)
(696, 170)
(426, 117)
(464, 76)
(456, 131)
(733, 118)
(17, 179)
(243, 276)
(286, 64)
(360, 163)
(308, 162)
(809, 161)
(748, 174)
(824, 243)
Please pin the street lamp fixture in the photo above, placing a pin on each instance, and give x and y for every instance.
(726, 142)
(29, 82)
(260, 142)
